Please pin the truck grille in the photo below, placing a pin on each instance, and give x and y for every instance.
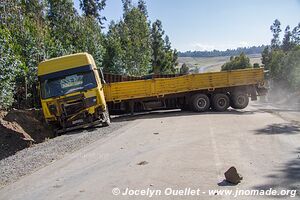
(73, 108)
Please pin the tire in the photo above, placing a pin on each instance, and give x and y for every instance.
(200, 102)
(220, 102)
(239, 100)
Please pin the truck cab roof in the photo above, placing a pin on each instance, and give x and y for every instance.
(65, 62)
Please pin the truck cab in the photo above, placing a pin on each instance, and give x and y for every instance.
(71, 92)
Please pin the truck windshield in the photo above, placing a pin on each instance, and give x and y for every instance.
(68, 84)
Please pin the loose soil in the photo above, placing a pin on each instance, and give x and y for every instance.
(20, 129)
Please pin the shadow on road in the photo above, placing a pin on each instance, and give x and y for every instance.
(176, 113)
(282, 128)
(286, 177)
(226, 183)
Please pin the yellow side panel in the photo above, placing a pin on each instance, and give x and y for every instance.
(163, 86)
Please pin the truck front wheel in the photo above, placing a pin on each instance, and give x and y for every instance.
(200, 102)
(220, 102)
(239, 100)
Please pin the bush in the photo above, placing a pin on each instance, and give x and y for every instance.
(238, 62)
(184, 69)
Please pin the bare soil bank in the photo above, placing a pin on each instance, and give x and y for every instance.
(20, 129)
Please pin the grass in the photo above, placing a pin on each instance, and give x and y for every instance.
(211, 64)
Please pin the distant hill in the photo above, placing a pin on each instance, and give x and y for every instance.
(211, 64)
(228, 52)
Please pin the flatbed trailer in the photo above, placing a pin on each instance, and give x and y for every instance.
(181, 89)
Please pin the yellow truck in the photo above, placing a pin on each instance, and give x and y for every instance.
(74, 93)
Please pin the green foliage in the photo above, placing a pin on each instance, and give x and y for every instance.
(142, 7)
(127, 6)
(135, 49)
(35, 30)
(114, 51)
(136, 40)
(238, 62)
(164, 59)
(10, 66)
(275, 28)
(88, 38)
(184, 69)
(287, 43)
(296, 35)
(290, 69)
(256, 65)
(282, 58)
(157, 45)
(127, 43)
(62, 18)
(92, 8)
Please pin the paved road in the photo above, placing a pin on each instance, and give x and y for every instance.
(175, 150)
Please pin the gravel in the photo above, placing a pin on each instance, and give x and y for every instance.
(39, 155)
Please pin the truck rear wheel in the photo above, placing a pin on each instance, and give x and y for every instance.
(200, 102)
(220, 102)
(239, 100)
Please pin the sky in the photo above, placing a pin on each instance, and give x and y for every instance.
(214, 24)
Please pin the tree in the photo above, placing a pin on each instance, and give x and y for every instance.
(34, 9)
(238, 62)
(35, 30)
(10, 65)
(88, 38)
(184, 69)
(275, 28)
(157, 45)
(127, 6)
(114, 53)
(291, 69)
(287, 43)
(283, 61)
(266, 57)
(256, 65)
(25, 24)
(93, 8)
(136, 41)
(170, 59)
(296, 35)
(142, 7)
(62, 18)
(164, 58)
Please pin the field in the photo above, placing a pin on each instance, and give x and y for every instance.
(209, 64)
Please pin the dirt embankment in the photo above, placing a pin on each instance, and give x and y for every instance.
(20, 129)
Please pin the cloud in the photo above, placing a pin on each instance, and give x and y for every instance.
(202, 47)
(209, 47)
(243, 44)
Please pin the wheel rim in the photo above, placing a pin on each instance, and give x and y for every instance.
(222, 102)
(202, 103)
(241, 100)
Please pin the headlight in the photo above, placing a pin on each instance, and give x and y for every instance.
(91, 101)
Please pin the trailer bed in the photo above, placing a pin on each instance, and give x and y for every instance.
(159, 87)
